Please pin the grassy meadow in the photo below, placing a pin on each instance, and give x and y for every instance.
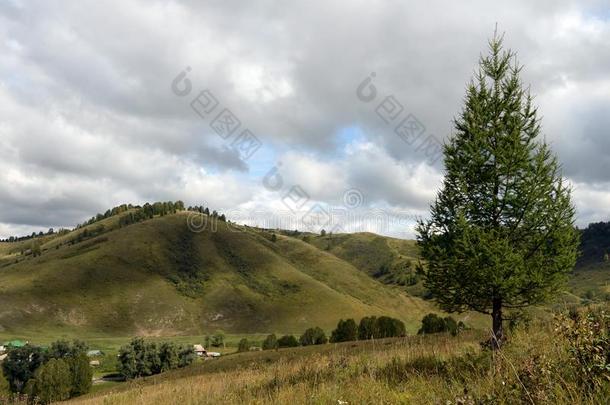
(536, 366)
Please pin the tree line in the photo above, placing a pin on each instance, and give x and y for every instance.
(142, 359)
(347, 330)
(47, 375)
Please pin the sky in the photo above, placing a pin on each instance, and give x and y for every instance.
(301, 115)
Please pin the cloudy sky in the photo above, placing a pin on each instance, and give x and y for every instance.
(277, 106)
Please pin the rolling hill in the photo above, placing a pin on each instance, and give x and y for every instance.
(157, 277)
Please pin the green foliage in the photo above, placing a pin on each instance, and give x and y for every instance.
(390, 327)
(382, 327)
(346, 331)
(588, 337)
(52, 382)
(186, 356)
(168, 356)
(141, 359)
(433, 323)
(4, 386)
(270, 342)
(243, 345)
(81, 374)
(218, 339)
(62, 349)
(313, 336)
(20, 365)
(288, 341)
(367, 329)
(501, 232)
(594, 243)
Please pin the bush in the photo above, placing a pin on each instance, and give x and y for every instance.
(588, 337)
(368, 328)
(140, 359)
(4, 387)
(52, 382)
(433, 323)
(390, 327)
(81, 374)
(313, 336)
(346, 331)
(20, 365)
(218, 339)
(270, 342)
(243, 346)
(382, 327)
(168, 356)
(186, 355)
(288, 341)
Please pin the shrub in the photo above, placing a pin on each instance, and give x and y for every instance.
(433, 323)
(218, 339)
(588, 338)
(270, 342)
(4, 387)
(382, 327)
(52, 382)
(81, 374)
(346, 331)
(186, 355)
(368, 328)
(20, 365)
(313, 336)
(288, 341)
(168, 356)
(390, 327)
(243, 346)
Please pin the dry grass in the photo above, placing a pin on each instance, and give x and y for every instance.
(438, 369)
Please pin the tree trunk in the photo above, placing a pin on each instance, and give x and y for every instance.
(496, 315)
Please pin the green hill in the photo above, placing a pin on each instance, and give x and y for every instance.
(157, 277)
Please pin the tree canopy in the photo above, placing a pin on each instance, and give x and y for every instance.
(501, 231)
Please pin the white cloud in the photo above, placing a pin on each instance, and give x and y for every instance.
(87, 118)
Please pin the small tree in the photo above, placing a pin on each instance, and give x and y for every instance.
(243, 346)
(20, 364)
(346, 331)
(127, 362)
(501, 233)
(52, 382)
(218, 339)
(313, 336)
(5, 389)
(288, 341)
(367, 329)
(80, 373)
(168, 356)
(186, 356)
(390, 327)
(270, 342)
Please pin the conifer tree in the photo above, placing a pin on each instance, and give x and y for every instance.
(501, 232)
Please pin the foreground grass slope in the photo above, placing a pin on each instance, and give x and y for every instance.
(159, 278)
(540, 364)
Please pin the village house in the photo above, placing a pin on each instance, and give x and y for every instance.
(200, 351)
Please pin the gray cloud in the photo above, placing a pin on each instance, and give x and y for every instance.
(85, 96)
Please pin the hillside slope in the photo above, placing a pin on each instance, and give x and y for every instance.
(159, 278)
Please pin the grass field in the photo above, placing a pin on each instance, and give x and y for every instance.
(534, 367)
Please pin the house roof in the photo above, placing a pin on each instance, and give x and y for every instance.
(94, 353)
(15, 343)
(199, 348)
